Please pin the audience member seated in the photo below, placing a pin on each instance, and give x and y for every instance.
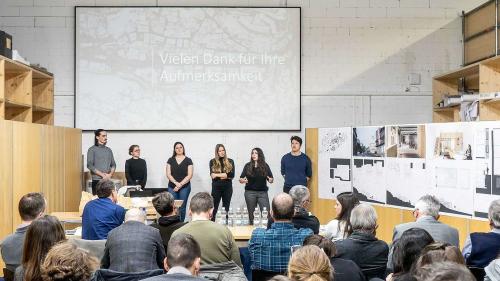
(169, 221)
(406, 252)
(340, 227)
(481, 248)
(302, 217)
(31, 206)
(101, 215)
(439, 252)
(362, 247)
(426, 214)
(133, 246)
(270, 248)
(444, 271)
(344, 270)
(310, 263)
(492, 271)
(216, 240)
(279, 278)
(41, 235)
(65, 261)
(183, 259)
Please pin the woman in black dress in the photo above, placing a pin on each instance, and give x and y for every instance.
(179, 174)
(255, 175)
(222, 174)
(136, 170)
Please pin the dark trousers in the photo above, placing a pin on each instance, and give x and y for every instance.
(225, 193)
(286, 189)
(252, 198)
(94, 185)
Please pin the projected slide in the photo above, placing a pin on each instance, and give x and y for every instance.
(187, 68)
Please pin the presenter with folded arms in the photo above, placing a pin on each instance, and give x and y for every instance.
(136, 170)
(179, 174)
(222, 174)
(255, 175)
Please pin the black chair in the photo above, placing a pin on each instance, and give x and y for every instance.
(478, 272)
(8, 275)
(263, 275)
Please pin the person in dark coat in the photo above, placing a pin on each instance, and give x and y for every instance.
(169, 221)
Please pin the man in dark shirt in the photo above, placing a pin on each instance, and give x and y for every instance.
(31, 206)
(101, 215)
(302, 217)
(169, 221)
(295, 166)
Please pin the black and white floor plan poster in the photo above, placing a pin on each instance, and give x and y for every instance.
(369, 180)
(487, 185)
(334, 161)
(407, 180)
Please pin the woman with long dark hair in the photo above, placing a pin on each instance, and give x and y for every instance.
(340, 227)
(255, 175)
(41, 235)
(179, 174)
(222, 174)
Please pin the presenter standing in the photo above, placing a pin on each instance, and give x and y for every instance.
(100, 160)
(222, 174)
(295, 166)
(255, 175)
(136, 170)
(179, 174)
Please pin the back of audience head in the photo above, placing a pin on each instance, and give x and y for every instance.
(41, 235)
(300, 196)
(364, 218)
(31, 206)
(323, 243)
(184, 251)
(346, 201)
(201, 203)
(135, 214)
(279, 278)
(408, 247)
(164, 203)
(427, 205)
(65, 261)
(310, 263)
(444, 271)
(439, 252)
(494, 214)
(105, 189)
(282, 208)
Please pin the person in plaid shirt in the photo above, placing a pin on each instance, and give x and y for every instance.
(270, 249)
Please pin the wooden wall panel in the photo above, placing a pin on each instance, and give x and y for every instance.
(26, 150)
(324, 209)
(6, 206)
(53, 167)
(73, 169)
(388, 218)
(479, 226)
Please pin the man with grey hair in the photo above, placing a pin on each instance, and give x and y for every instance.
(133, 246)
(483, 247)
(426, 214)
(302, 218)
(362, 247)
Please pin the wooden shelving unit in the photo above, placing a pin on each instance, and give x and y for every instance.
(483, 77)
(26, 94)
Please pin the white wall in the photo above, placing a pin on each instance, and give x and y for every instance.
(357, 56)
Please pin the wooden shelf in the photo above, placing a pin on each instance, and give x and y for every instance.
(41, 109)
(16, 104)
(450, 108)
(459, 73)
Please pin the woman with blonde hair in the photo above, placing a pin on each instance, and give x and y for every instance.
(222, 174)
(65, 261)
(310, 263)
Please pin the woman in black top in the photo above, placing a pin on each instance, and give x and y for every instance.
(222, 174)
(136, 171)
(255, 175)
(179, 174)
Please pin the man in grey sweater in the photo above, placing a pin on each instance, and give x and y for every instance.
(100, 160)
(182, 261)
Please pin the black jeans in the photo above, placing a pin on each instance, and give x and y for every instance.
(224, 192)
(94, 185)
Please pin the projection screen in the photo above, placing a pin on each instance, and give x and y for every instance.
(187, 68)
